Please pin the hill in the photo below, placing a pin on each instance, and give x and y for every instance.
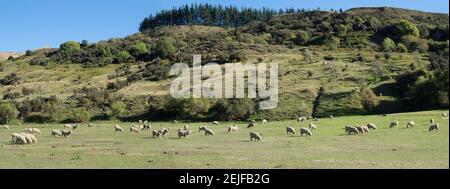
(361, 61)
(6, 55)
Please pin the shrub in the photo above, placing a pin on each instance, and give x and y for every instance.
(368, 99)
(117, 109)
(388, 44)
(8, 113)
(79, 115)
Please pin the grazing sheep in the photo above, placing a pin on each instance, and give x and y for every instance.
(5, 127)
(290, 130)
(305, 131)
(263, 121)
(351, 130)
(117, 128)
(444, 114)
(393, 124)
(252, 124)
(146, 125)
(431, 120)
(156, 133)
(371, 126)
(91, 125)
(209, 132)
(68, 126)
(360, 129)
(186, 126)
(164, 131)
(17, 138)
(215, 123)
(66, 133)
(434, 126)
(56, 133)
(140, 121)
(233, 128)
(34, 131)
(183, 133)
(202, 128)
(365, 129)
(31, 139)
(316, 119)
(410, 124)
(134, 129)
(331, 117)
(303, 118)
(254, 136)
(312, 126)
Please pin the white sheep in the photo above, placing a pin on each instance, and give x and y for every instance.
(186, 126)
(305, 131)
(431, 120)
(303, 118)
(164, 131)
(410, 124)
(351, 130)
(263, 121)
(29, 137)
(371, 126)
(290, 130)
(215, 123)
(117, 128)
(232, 128)
(17, 138)
(56, 133)
(68, 126)
(393, 124)
(156, 133)
(183, 133)
(331, 117)
(209, 132)
(434, 126)
(91, 125)
(312, 126)
(5, 127)
(444, 114)
(134, 129)
(254, 136)
(252, 124)
(202, 128)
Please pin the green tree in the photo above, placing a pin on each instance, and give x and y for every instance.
(302, 37)
(8, 113)
(139, 49)
(165, 47)
(70, 47)
(79, 115)
(368, 99)
(404, 27)
(388, 44)
(342, 30)
(117, 109)
(123, 57)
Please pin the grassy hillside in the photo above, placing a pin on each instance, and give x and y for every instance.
(329, 147)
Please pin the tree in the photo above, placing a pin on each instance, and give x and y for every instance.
(368, 99)
(342, 30)
(138, 50)
(301, 38)
(70, 47)
(8, 113)
(79, 115)
(402, 48)
(165, 47)
(388, 44)
(404, 27)
(123, 57)
(84, 44)
(117, 109)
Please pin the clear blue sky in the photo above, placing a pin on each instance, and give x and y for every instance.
(31, 24)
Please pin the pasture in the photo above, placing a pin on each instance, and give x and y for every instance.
(328, 147)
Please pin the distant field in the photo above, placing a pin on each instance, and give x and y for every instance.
(329, 147)
(5, 55)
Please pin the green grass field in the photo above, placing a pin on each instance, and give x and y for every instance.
(329, 147)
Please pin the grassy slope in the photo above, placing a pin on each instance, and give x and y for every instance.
(100, 147)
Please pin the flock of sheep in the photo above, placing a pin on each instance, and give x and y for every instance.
(29, 134)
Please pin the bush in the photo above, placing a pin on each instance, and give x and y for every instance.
(402, 48)
(10, 79)
(70, 47)
(388, 44)
(368, 99)
(165, 47)
(79, 115)
(138, 50)
(117, 109)
(232, 109)
(8, 113)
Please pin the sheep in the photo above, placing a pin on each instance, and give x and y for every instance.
(156, 133)
(393, 124)
(303, 118)
(444, 114)
(134, 129)
(305, 131)
(250, 125)
(431, 120)
(351, 130)
(68, 126)
(183, 133)
(140, 121)
(146, 125)
(331, 117)
(215, 123)
(34, 131)
(202, 128)
(186, 126)
(209, 132)
(164, 131)
(117, 128)
(363, 129)
(56, 133)
(290, 130)
(29, 137)
(66, 133)
(254, 136)
(312, 126)
(232, 128)
(434, 126)
(360, 129)
(17, 138)
(75, 126)
(371, 126)
(316, 119)
(410, 124)
(263, 121)
(91, 125)
(5, 127)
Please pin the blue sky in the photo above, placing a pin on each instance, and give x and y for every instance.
(31, 24)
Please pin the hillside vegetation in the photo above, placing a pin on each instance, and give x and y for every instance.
(361, 61)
